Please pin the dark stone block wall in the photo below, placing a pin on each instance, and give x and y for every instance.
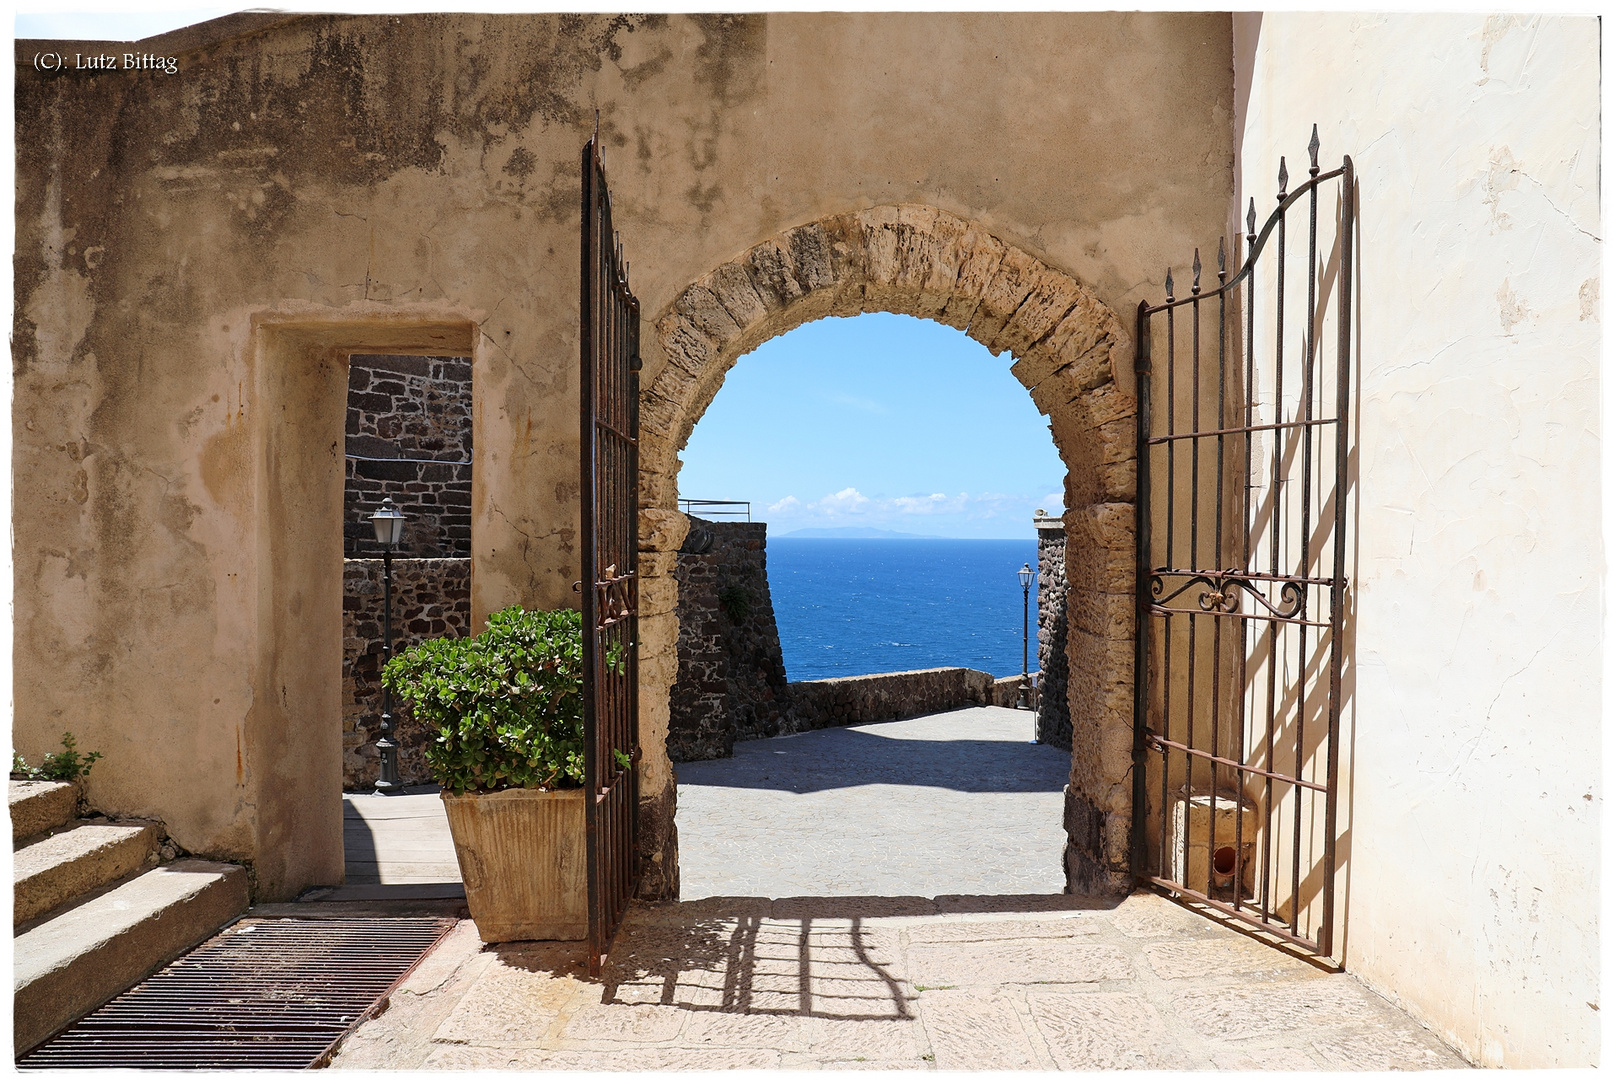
(409, 438)
(731, 672)
(431, 598)
(1053, 684)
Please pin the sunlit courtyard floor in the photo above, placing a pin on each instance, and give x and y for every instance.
(959, 802)
(888, 899)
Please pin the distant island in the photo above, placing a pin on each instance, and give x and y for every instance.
(853, 533)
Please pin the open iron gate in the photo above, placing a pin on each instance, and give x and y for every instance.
(1241, 590)
(610, 486)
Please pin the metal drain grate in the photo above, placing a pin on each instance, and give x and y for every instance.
(264, 994)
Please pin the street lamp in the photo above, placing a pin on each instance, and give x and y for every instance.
(1024, 700)
(388, 522)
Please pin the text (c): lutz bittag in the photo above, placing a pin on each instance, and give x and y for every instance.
(64, 62)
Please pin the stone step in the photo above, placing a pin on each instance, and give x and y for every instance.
(39, 806)
(66, 865)
(69, 965)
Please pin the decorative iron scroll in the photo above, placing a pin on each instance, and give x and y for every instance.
(1219, 595)
(615, 596)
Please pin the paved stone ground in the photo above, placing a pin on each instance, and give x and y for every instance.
(397, 839)
(958, 802)
(952, 983)
(941, 980)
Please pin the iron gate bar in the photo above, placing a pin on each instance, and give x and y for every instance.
(1156, 742)
(1158, 439)
(1221, 586)
(609, 413)
(262, 994)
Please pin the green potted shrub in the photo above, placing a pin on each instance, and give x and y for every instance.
(508, 708)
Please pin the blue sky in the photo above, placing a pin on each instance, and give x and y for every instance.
(131, 22)
(883, 421)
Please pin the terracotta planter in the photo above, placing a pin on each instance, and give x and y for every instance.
(524, 862)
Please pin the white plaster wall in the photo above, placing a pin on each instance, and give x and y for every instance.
(1471, 770)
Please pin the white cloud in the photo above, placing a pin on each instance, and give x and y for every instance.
(846, 500)
(936, 513)
(929, 504)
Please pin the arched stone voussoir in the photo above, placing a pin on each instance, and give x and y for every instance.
(908, 259)
(911, 258)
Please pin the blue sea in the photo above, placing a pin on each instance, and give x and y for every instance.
(858, 607)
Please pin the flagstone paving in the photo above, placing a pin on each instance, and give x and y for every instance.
(934, 938)
(972, 983)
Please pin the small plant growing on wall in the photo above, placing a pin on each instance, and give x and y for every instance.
(64, 765)
(736, 602)
(507, 704)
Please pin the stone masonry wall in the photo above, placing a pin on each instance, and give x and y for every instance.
(1053, 684)
(431, 598)
(409, 439)
(731, 672)
(896, 695)
(1006, 691)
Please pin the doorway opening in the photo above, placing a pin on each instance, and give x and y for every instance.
(408, 439)
(1067, 350)
(898, 468)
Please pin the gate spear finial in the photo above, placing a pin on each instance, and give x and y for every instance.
(1283, 178)
(1221, 259)
(1196, 271)
(1169, 296)
(1249, 232)
(1314, 147)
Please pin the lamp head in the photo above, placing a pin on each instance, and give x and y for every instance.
(388, 522)
(1025, 576)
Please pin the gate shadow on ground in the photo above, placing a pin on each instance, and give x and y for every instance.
(848, 757)
(797, 956)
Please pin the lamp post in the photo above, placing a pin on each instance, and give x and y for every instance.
(1024, 700)
(388, 522)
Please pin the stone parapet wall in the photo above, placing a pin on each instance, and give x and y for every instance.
(409, 431)
(1006, 691)
(431, 598)
(896, 695)
(1053, 682)
(731, 673)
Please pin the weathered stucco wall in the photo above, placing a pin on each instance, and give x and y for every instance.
(1470, 846)
(198, 254)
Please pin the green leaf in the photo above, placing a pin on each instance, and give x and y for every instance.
(507, 704)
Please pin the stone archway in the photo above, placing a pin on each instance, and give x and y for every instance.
(917, 260)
